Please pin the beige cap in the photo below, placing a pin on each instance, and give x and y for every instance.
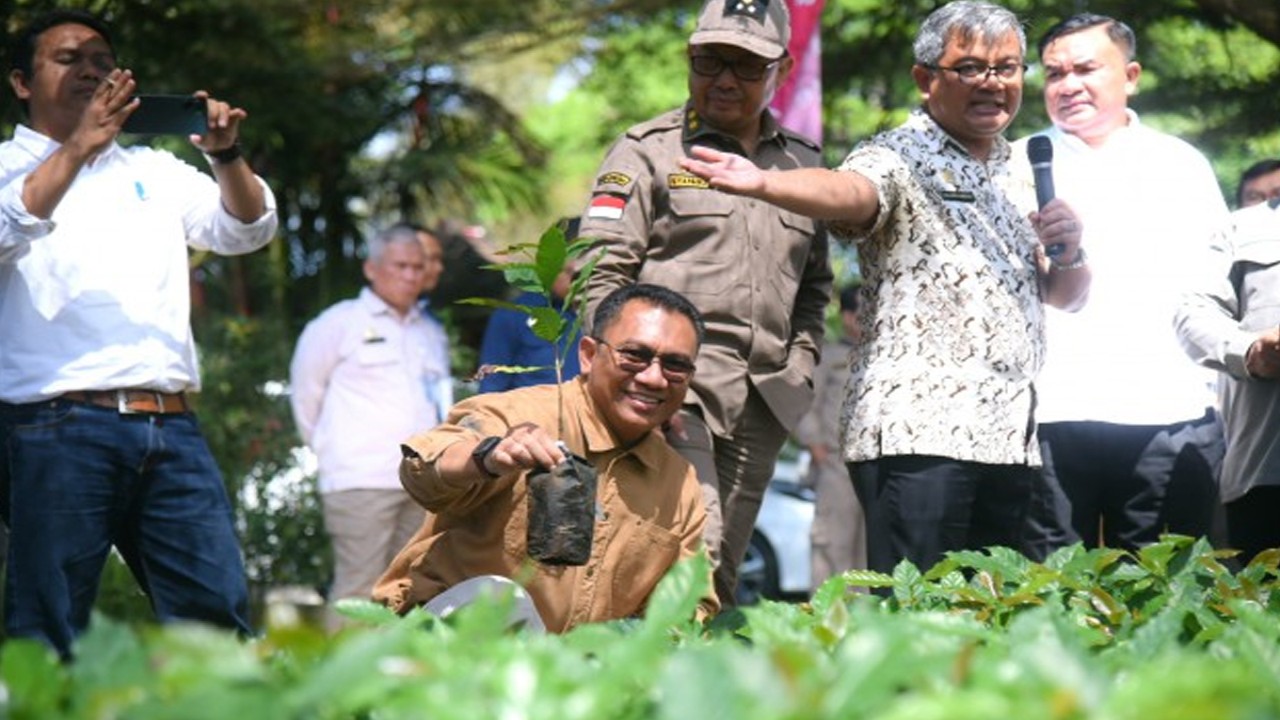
(759, 26)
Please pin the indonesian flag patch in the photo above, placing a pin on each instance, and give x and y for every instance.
(606, 207)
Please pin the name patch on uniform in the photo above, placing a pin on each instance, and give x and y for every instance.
(958, 196)
(686, 180)
(606, 207)
(614, 178)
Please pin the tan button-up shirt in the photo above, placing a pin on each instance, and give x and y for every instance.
(758, 274)
(953, 325)
(649, 515)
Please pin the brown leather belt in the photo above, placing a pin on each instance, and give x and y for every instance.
(130, 402)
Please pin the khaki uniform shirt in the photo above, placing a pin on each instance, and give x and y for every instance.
(758, 274)
(649, 515)
(953, 322)
(821, 425)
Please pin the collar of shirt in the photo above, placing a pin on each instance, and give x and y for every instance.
(1070, 142)
(599, 439)
(375, 305)
(694, 129)
(41, 146)
(939, 140)
(1257, 223)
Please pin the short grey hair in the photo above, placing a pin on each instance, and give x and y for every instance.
(400, 233)
(968, 20)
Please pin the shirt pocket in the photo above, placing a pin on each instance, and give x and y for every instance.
(795, 241)
(702, 250)
(643, 556)
(374, 352)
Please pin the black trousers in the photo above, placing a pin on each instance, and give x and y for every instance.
(920, 507)
(1124, 485)
(1253, 522)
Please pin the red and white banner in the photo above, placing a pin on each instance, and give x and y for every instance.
(798, 103)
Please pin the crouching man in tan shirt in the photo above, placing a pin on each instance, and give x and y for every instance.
(649, 511)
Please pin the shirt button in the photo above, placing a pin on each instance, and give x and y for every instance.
(591, 572)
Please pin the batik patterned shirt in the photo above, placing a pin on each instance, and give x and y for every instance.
(953, 321)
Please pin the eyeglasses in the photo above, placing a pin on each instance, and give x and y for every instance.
(977, 73)
(635, 360)
(1255, 197)
(713, 65)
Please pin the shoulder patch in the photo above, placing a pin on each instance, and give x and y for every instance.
(687, 180)
(606, 207)
(614, 178)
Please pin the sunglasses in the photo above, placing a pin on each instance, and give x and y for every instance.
(632, 359)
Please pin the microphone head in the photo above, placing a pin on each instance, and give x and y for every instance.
(1039, 150)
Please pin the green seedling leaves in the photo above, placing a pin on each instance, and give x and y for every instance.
(1094, 633)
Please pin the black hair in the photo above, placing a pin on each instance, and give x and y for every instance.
(851, 298)
(22, 49)
(1120, 33)
(1258, 169)
(569, 226)
(611, 307)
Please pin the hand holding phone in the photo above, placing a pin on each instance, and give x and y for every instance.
(168, 115)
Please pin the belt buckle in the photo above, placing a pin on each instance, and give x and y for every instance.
(122, 402)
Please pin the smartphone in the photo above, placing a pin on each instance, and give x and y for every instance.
(168, 115)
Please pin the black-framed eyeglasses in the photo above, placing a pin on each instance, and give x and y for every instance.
(977, 73)
(635, 360)
(713, 65)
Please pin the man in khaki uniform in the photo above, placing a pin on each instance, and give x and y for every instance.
(759, 274)
(838, 537)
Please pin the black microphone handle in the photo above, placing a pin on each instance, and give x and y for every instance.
(1044, 193)
(1044, 183)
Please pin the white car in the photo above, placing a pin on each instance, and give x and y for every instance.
(776, 565)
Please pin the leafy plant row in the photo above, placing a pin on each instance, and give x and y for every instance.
(1168, 632)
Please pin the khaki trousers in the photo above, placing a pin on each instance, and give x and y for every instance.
(838, 537)
(367, 527)
(734, 472)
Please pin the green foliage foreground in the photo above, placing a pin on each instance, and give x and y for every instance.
(1165, 633)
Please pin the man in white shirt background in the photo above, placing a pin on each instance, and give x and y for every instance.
(1126, 425)
(366, 374)
(1259, 183)
(98, 444)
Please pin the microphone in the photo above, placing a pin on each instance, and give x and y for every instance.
(1040, 153)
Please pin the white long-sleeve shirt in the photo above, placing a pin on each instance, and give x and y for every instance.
(1235, 300)
(97, 297)
(363, 379)
(1149, 204)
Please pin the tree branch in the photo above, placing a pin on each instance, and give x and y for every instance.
(1261, 17)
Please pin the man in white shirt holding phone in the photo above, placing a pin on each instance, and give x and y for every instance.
(98, 444)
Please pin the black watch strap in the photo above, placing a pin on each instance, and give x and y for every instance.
(226, 155)
(482, 451)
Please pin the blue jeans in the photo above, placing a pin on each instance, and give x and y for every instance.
(78, 479)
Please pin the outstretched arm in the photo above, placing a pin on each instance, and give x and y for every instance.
(815, 192)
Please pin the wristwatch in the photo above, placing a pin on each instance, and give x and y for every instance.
(482, 451)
